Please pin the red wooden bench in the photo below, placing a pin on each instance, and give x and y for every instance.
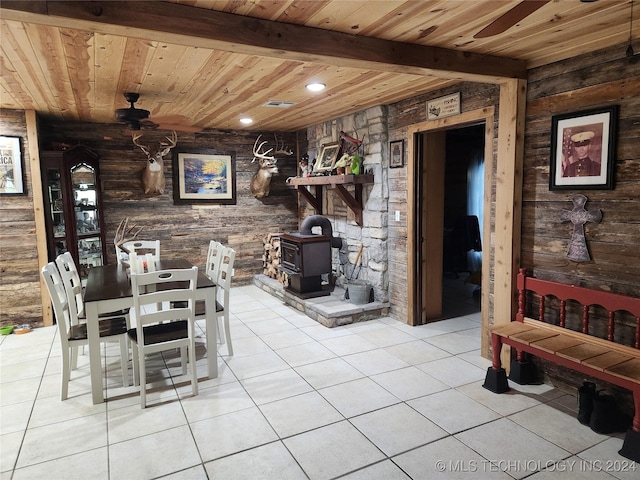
(601, 358)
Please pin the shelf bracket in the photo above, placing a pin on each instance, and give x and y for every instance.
(314, 201)
(338, 182)
(355, 204)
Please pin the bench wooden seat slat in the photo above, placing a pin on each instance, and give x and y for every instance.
(510, 328)
(607, 360)
(629, 370)
(582, 352)
(534, 335)
(557, 343)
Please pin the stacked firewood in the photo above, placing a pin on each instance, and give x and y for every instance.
(271, 258)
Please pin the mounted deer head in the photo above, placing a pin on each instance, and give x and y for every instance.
(153, 180)
(261, 180)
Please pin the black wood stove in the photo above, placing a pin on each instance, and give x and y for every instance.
(306, 256)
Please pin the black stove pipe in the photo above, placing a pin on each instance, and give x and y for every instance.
(322, 222)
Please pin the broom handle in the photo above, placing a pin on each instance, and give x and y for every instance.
(357, 260)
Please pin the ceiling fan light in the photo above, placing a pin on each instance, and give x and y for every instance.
(316, 87)
(246, 121)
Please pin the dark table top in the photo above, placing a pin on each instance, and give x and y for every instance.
(111, 281)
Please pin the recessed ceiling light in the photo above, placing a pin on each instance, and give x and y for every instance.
(316, 87)
(246, 121)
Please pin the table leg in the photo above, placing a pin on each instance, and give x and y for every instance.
(212, 333)
(93, 337)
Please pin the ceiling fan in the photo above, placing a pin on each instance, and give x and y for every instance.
(508, 19)
(138, 118)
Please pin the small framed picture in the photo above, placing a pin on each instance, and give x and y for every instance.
(11, 181)
(396, 154)
(583, 150)
(327, 158)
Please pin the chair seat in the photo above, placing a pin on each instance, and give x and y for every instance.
(108, 327)
(124, 311)
(162, 332)
(200, 307)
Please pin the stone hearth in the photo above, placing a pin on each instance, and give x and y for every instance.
(331, 311)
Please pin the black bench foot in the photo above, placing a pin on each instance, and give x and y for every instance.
(496, 380)
(523, 373)
(631, 446)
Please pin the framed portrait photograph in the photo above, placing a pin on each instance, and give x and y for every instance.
(583, 150)
(327, 158)
(201, 177)
(11, 179)
(396, 154)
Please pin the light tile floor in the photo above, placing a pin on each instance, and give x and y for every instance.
(375, 400)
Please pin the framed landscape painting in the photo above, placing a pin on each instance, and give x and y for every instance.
(200, 177)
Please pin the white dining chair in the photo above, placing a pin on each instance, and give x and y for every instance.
(73, 288)
(223, 282)
(72, 335)
(142, 263)
(212, 265)
(140, 247)
(227, 257)
(167, 327)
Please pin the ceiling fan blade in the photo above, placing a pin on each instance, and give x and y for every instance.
(173, 118)
(510, 18)
(179, 128)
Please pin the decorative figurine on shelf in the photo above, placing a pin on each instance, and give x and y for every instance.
(341, 164)
(305, 170)
(355, 165)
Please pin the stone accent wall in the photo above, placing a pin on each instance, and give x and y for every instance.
(371, 126)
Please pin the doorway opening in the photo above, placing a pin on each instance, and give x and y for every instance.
(463, 216)
(449, 194)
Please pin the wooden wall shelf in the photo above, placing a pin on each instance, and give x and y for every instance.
(338, 182)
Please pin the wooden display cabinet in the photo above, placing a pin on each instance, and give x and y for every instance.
(73, 206)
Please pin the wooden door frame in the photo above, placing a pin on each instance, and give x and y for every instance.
(503, 240)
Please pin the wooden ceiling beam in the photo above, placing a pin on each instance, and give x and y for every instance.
(197, 27)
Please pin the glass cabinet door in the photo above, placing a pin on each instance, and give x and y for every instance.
(86, 210)
(56, 209)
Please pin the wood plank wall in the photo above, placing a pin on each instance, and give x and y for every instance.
(184, 231)
(599, 79)
(596, 80)
(19, 271)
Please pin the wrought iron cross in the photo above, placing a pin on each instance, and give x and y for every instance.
(578, 251)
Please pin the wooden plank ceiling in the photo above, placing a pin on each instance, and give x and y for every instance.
(204, 64)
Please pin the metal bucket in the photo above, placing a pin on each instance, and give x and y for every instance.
(359, 292)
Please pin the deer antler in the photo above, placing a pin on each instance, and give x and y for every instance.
(137, 136)
(263, 156)
(283, 150)
(164, 146)
(122, 234)
(172, 143)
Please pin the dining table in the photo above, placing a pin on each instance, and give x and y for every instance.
(108, 289)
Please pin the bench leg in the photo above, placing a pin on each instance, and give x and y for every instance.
(522, 371)
(496, 378)
(631, 446)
